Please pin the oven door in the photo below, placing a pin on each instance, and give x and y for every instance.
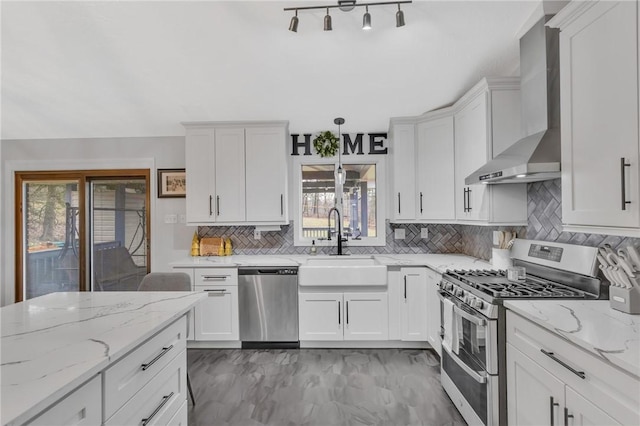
(473, 336)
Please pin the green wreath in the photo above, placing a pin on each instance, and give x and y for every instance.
(326, 144)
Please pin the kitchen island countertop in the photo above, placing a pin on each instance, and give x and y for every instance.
(52, 344)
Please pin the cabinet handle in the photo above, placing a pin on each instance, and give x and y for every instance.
(398, 203)
(215, 291)
(162, 353)
(214, 277)
(564, 364)
(165, 399)
(210, 207)
(339, 320)
(469, 199)
(347, 302)
(567, 416)
(552, 411)
(421, 202)
(464, 199)
(218, 205)
(623, 183)
(281, 204)
(405, 287)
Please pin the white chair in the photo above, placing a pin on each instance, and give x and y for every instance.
(168, 281)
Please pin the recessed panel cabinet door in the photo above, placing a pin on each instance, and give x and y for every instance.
(599, 104)
(534, 396)
(229, 203)
(321, 316)
(403, 196)
(199, 163)
(266, 174)
(581, 412)
(414, 305)
(366, 316)
(216, 317)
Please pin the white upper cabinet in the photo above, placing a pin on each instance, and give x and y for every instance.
(402, 150)
(435, 176)
(487, 122)
(266, 176)
(236, 173)
(599, 113)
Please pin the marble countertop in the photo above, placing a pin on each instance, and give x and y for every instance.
(437, 262)
(611, 335)
(54, 343)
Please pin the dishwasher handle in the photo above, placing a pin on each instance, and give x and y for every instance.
(268, 271)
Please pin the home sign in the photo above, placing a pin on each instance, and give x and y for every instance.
(355, 146)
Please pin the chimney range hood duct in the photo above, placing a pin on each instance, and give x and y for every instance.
(535, 157)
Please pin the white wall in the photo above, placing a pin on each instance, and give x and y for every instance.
(169, 242)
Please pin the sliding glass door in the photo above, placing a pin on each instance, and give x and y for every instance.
(81, 230)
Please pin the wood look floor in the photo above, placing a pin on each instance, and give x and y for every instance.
(318, 387)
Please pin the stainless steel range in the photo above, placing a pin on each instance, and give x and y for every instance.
(473, 319)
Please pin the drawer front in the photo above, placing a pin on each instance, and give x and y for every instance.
(82, 407)
(212, 276)
(603, 384)
(159, 400)
(180, 418)
(216, 317)
(127, 376)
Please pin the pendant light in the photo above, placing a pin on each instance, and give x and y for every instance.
(366, 20)
(293, 26)
(327, 21)
(341, 175)
(399, 17)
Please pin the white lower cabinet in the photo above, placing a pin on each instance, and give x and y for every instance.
(413, 305)
(343, 316)
(551, 381)
(216, 318)
(433, 310)
(82, 407)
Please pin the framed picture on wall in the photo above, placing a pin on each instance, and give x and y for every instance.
(172, 183)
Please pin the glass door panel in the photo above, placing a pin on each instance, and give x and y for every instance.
(118, 229)
(50, 229)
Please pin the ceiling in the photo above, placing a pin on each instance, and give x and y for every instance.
(138, 68)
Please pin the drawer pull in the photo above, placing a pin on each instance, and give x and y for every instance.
(564, 364)
(165, 399)
(160, 355)
(215, 291)
(214, 277)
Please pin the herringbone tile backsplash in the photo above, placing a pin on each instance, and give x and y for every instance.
(545, 223)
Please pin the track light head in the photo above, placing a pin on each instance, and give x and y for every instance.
(366, 20)
(327, 21)
(399, 17)
(293, 25)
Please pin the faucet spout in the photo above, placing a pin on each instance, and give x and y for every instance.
(339, 221)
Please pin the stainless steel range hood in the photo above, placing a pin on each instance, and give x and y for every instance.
(535, 157)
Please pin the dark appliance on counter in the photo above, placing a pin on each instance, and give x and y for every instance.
(473, 319)
(268, 307)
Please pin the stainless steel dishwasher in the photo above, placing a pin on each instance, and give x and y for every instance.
(268, 307)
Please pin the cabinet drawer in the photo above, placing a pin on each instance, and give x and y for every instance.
(82, 407)
(209, 276)
(180, 418)
(127, 376)
(603, 384)
(159, 399)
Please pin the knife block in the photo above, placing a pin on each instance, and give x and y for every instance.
(626, 299)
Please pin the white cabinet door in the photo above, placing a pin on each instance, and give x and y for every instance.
(321, 316)
(433, 311)
(266, 165)
(82, 407)
(403, 196)
(534, 396)
(216, 317)
(414, 305)
(366, 316)
(199, 160)
(599, 105)
(435, 170)
(470, 154)
(229, 170)
(581, 412)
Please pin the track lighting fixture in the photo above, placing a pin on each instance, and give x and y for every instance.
(346, 6)
(293, 26)
(366, 20)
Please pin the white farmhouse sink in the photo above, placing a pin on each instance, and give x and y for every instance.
(342, 271)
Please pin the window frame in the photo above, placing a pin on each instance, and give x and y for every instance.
(379, 161)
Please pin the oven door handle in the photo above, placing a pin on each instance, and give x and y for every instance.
(480, 377)
(474, 319)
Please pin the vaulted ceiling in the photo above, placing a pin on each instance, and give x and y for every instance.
(139, 68)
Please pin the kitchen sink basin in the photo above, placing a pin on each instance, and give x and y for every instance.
(342, 271)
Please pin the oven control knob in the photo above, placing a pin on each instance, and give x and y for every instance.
(469, 300)
(459, 292)
(448, 286)
(478, 304)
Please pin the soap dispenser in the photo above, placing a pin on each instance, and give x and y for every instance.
(314, 249)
